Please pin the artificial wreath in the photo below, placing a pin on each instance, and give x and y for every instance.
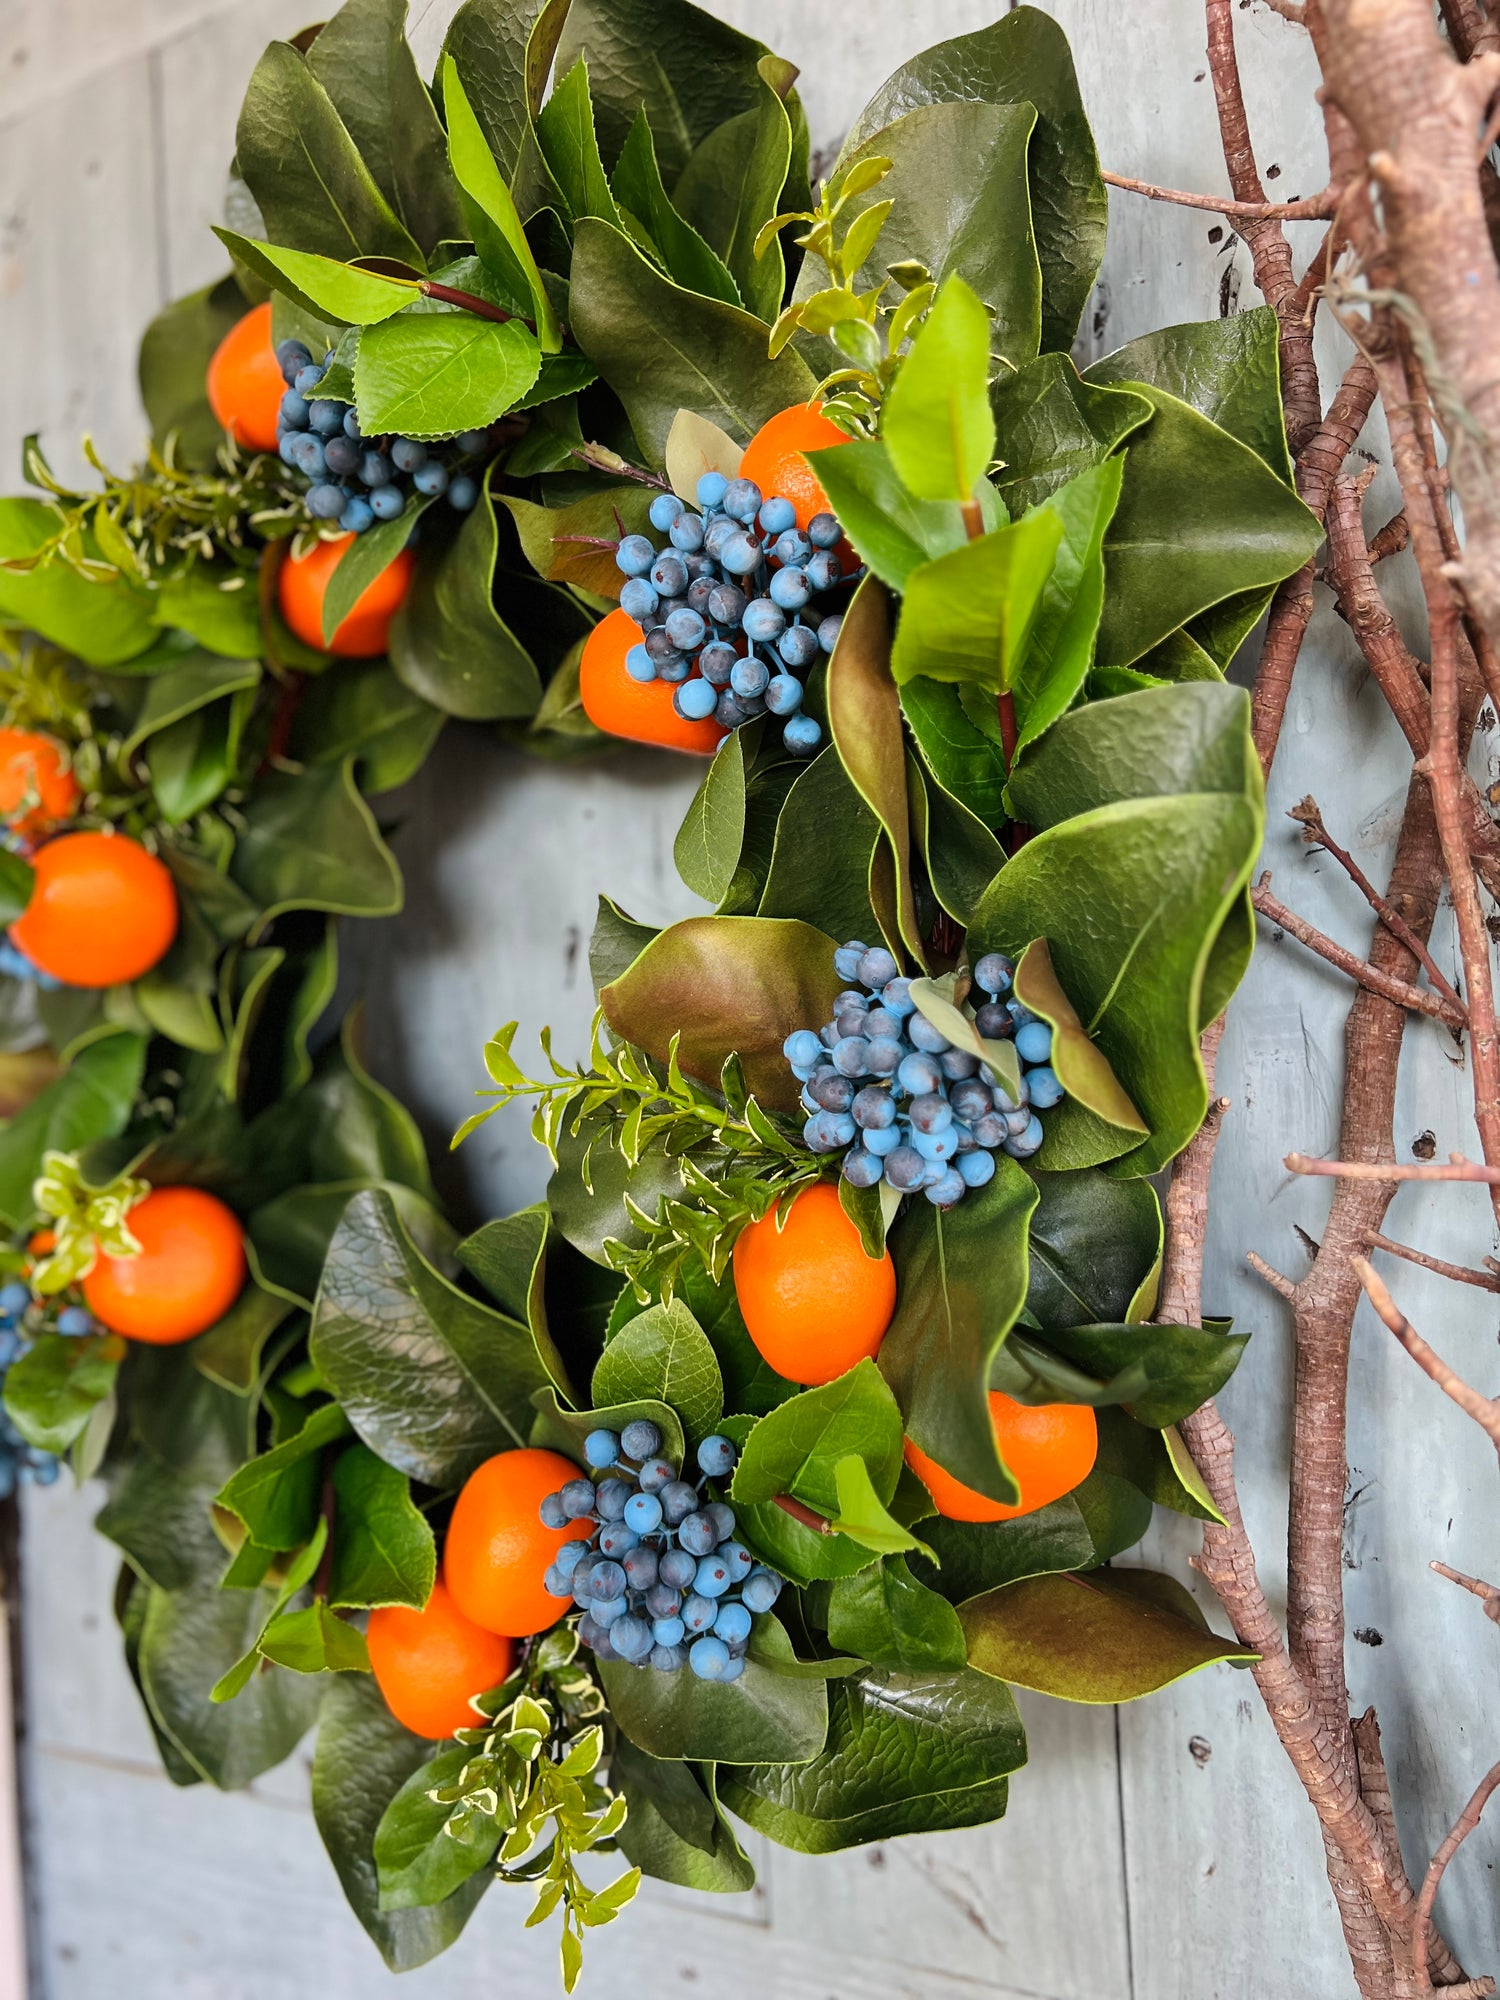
(744, 1476)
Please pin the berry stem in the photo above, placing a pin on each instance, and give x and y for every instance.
(805, 1515)
(470, 301)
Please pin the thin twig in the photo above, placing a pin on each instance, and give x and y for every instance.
(1316, 834)
(1485, 1410)
(1487, 1593)
(1456, 1168)
(1462, 1827)
(1463, 1274)
(1311, 208)
(1273, 1277)
(1401, 991)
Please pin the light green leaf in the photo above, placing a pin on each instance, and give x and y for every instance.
(499, 236)
(383, 1548)
(707, 848)
(342, 293)
(937, 424)
(431, 374)
(663, 1354)
(968, 616)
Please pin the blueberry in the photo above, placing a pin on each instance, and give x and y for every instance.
(698, 1534)
(882, 1142)
(905, 1168)
(631, 1638)
(896, 999)
(789, 589)
(970, 1100)
(351, 425)
(1022, 1146)
(742, 500)
(407, 454)
(1045, 1088)
(641, 1439)
(783, 694)
(695, 700)
(591, 1632)
(662, 1601)
(639, 664)
(792, 549)
(388, 503)
(14, 1297)
(294, 411)
(325, 418)
(667, 1659)
(286, 446)
(802, 735)
(956, 1064)
(1034, 1042)
(777, 515)
(463, 494)
(553, 1513)
(471, 443)
(674, 670)
(722, 1516)
(698, 1613)
(570, 1555)
(918, 1075)
(730, 711)
(846, 958)
(655, 1474)
(832, 1091)
(732, 1623)
(668, 1631)
(873, 1109)
(643, 1513)
(431, 479)
(750, 678)
(308, 377)
(686, 630)
(824, 532)
(994, 1022)
(358, 515)
(877, 968)
(711, 489)
(740, 555)
(669, 574)
(930, 1112)
(606, 1582)
(633, 557)
(637, 599)
(677, 1501)
(717, 536)
(798, 646)
(763, 621)
(375, 468)
(802, 1046)
(716, 1456)
(75, 1321)
(341, 455)
(292, 357)
(828, 1131)
(578, 1499)
(727, 603)
(860, 1168)
(761, 1589)
(686, 534)
(641, 1568)
(1019, 1014)
(976, 1167)
(665, 509)
(709, 1659)
(678, 1567)
(990, 1131)
(616, 1540)
(555, 1583)
(950, 1187)
(994, 972)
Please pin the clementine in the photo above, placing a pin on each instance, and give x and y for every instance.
(814, 1303)
(1050, 1448)
(363, 633)
(498, 1552)
(642, 711)
(36, 787)
(190, 1270)
(774, 457)
(102, 910)
(429, 1663)
(245, 384)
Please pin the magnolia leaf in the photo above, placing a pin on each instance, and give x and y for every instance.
(1081, 1066)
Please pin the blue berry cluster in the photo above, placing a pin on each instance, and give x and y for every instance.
(661, 1581)
(20, 1462)
(354, 480)
(886, 1088)
(728, 608)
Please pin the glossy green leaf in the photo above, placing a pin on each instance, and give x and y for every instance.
(763, 1717)
(905, 1752)
(731, 187)
(1229, 370)
(961, 1280)
(1093, 1243)
(1051, 426)
(1021, 58)
(218, 604)
(968, 616)
(54, 1387)
(820, 862)
(311, 186)
(1081, 1065)
(664, 1355)
(367, 557)
(564, 1430)
(420, 1861)
(431, 1380)
(276, 1495)
(364, 711)
(383, 1548)
(343, 294)
(674, 1829)
(490, 207)
(363, 1759)
(707, 847)
(961, 855)
(1060, 650)
(1130, 898)
(362, 59)
(448, 641)
(960, 208)
(663, 349)
(891, 529)
(797, 1448)
(191, 683)
(428, 375)
(727, 985)
(231, 1350)
(637, 186)
(105, 621)
(1107, 1637)
(1156, 1462)
(92, 1099)
(565, 128)
(17, 881)
(976, 1556)
(936, 423)
(315, 1640)
(966, 762)
(891, 1620)
(310, 842)
(1160, 1374)
(751, 1385)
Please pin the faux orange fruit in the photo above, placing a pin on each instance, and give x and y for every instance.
(363, 633)
(1050, 1447)
(813, 1302)
(774, 457)
(36, 787)
(429, 1663)
(245, 384)
(642, 711)
(102, 910)
(498, 1552)
(190, 1270)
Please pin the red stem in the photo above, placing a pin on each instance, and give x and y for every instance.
(470, 301)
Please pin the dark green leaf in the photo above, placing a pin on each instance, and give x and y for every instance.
(430, 374)
(961, 757)
(1161, 1374)
(763, 1717)
(305, 171)
(53, 1389)
(981, 1555)
(891, 1620)
(637, 186)
(731, 186)
(315, 1640)
(490, 207)
(560, 1430)
(230, 1352)
(433, 1381)
(175, 352)
(420, 1862)
(1156, 1463)
(17, 880)
(565, 127)
(798, 1446)
(363, 1759)
(311, 843)
(92, 1099)
(276, 1495)
(1051, 426)
(674, 1829)
(1111, 1636)
(367, 557)
(961, 1281)
(823, 852)
(662, 349)
(1228, 369)
(707, 848)
(664, 1355)
(961, 855)
(1061, 647)
(1094, 1244)
(727, 985)
(364, 711)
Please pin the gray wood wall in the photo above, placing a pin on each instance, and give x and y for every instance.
(1161, 1852)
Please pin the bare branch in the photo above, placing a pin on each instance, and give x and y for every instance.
(1462, 1827)
(1310, 208)
(1455, 1168)
(1415, 998)
(1272, 1276)
(1485, 1410)
(1487, 1593)
(1463, 1274)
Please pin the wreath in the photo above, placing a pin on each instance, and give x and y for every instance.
(744, 1477)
